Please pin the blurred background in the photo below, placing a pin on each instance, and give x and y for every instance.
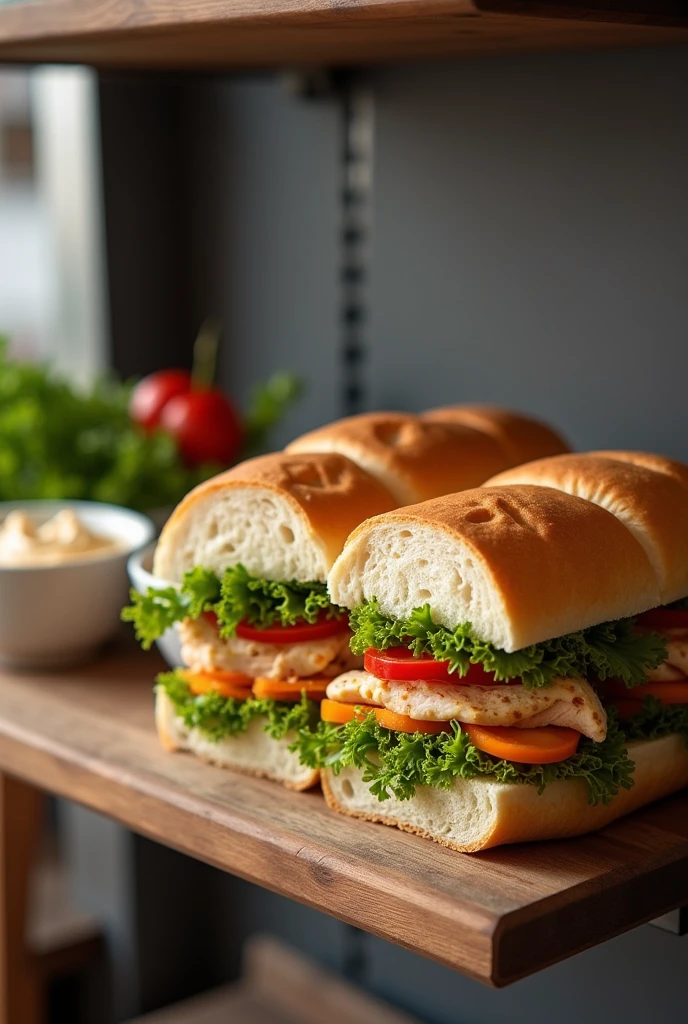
(513, 229)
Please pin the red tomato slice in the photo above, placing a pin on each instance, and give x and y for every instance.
(667, 693)
(664, 618)
(294, 634)
(545, 745)
(288, 634)
(400, 663)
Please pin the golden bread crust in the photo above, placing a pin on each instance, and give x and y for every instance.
(520, 437)
(555, 563)
(647, 496)
(658, 463)
(514, 813)
(416, 459)
(328, 492)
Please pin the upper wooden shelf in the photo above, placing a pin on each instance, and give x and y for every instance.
(224, 34)
(496, 916)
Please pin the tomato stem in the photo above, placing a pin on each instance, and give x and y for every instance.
(205, 355)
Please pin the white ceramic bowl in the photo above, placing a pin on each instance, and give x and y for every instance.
(52, 616)
(139, 566)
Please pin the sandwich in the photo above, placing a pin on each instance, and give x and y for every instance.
(246, 555)
(520, 438)
(649, 494)
(490, 622)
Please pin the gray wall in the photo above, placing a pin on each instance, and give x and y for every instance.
(639, 977)
(266, 236)
(531, 241)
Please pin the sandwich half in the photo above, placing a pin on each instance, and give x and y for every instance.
(649, 494)
(489, 622)
(247, 555)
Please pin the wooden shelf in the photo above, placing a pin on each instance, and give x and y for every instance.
(497, 916)
(224, 34)
(279, 986)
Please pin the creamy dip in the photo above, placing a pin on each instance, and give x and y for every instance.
(64, 538)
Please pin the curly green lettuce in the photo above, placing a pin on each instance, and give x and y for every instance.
(655, 720)
(219, 717)
(611, 650)
(395, 763)
(237, 597)
(262, 603)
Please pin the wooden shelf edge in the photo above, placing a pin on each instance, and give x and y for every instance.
(215, 35)
(666, 886)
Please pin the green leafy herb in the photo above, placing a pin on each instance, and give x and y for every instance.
(57, 441)
(656, 719)
(201, 588)
(221, 717)
(395, 763)
(238, 597)
(155, 611)
(609, 650)
(263, 603)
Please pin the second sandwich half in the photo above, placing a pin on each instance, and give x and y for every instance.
(246, 555)
(487, 620)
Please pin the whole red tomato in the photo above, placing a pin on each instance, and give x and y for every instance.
(153, 392)
(205, 426)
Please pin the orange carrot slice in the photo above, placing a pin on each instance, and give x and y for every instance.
(227, 684)
(545, 745)
(339, 713)
(404, 723)
(281, 689)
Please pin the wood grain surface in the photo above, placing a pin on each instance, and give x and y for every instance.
(496, 916)
(224, 34)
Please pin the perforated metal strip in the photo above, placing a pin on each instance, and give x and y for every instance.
(356, 231)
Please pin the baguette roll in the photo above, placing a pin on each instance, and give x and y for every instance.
(476, 814)
(413, 458)
(253, 752)
(521, 438)
(658, 463)
(283, 516)
(522, 564)
(645, 493)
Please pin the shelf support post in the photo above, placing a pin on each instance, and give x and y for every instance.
(21, 992)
